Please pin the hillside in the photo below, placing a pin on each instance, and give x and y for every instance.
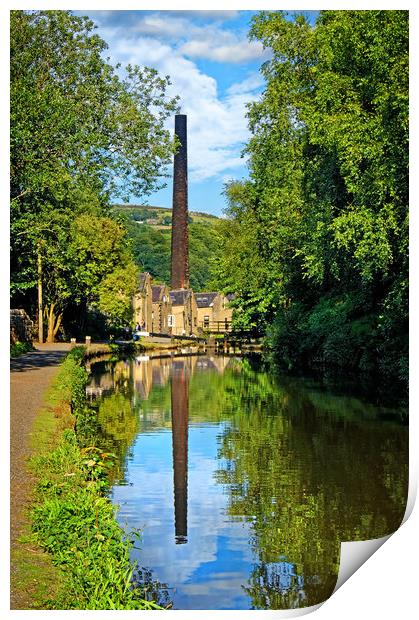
(160, 216)
(150, 233)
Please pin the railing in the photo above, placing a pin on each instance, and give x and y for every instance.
(218, 327)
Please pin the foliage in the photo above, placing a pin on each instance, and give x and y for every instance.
(88, 121)
(203, 253)
(116, 292)
(152, 251)
(86, 259)
(283, 436)
(70, 385)
(323, 221)
(19, 348)
(80, 135)
(75, 522)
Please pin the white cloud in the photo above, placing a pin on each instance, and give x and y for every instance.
(195, 40)
(161, 25)
(217, 125)
(253, 82)
(148, 503)
(239, 51)
(214, 15)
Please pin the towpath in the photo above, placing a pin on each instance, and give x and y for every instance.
(30, 377)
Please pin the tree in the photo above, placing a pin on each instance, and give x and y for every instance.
(115, 294)
(323, 219)
(80, 260)
(239, 267)
(79, 135)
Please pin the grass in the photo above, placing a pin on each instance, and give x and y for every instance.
(35, 575)
(87, 563)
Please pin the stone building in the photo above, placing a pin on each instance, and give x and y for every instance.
(183, 320)
(143, 303)
(21, 327)
(214, 312)
(162, 308)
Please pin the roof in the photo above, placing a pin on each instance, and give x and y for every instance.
(180, 297)
(156, 291)
(205, 300)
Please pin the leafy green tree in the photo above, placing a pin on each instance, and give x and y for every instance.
(79, 135)
(324, 217)
(84, 261)
(151, 250)
(238, 266)
(115, 294)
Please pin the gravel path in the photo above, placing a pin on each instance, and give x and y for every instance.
(30, 377)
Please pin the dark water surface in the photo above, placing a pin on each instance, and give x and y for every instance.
(244, 484)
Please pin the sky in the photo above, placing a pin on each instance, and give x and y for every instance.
(214, 69)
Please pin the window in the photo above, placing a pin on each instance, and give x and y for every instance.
(170, 320)
(206, 320)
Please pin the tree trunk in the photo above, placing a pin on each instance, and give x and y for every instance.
(40, 302)
(54, 322)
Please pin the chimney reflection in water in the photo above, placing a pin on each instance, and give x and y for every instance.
(180, 409)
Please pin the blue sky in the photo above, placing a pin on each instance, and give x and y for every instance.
(214, 69)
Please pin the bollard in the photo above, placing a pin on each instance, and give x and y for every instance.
(88, 340)
(72, 342)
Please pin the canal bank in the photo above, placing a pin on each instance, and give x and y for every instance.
(86, 564)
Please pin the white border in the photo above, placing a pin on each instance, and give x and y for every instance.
(385, 587)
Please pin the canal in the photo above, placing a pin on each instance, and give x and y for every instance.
(242, 483)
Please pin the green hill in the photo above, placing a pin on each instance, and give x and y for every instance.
(150, 229)
(159, 216)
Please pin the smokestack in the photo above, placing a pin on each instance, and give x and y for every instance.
(180, 244)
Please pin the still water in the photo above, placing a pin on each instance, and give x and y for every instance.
(244, 484)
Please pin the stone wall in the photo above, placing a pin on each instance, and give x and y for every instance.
(21, 327)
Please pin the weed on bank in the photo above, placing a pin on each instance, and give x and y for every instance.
(73, 519)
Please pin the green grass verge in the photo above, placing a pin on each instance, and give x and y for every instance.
(72, 519)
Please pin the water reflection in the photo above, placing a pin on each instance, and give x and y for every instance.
(180, 408)
(262, 477)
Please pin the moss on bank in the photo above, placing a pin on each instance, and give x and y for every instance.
(72, 519)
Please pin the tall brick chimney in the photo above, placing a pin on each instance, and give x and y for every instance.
(180, 242)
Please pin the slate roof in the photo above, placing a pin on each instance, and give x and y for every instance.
(204, 300)
(157, 291)
(180, 297)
